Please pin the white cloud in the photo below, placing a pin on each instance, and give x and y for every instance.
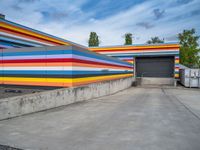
(77, 25)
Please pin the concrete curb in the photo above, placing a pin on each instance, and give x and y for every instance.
(30, 103)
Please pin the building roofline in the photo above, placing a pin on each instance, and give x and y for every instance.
(113, 46)
(40, 32)
(79, 45)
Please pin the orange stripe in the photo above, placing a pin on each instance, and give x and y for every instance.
(38, 84)
(135, 50)
(59, 64)
(32, 33)
(137, 47)
(95, 81)
(145, 49)
(53, 84)
(28, 37)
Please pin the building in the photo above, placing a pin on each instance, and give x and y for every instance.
(31, 57)
(157, 61)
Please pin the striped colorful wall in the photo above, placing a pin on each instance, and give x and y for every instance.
(128, 53)
(16, 35)
(60, 66)
(177, 67)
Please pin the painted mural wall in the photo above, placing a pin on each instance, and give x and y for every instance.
(60, 66)
(128, 53)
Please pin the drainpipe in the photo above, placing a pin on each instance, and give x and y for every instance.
(190, 78)
(175, 82)
(198, 77)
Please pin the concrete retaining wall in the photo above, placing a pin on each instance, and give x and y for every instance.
(20, 105)
(156, 81)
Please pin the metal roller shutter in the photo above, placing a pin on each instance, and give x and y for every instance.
(155, 67)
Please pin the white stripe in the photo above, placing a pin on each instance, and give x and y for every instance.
(25, 39)
(143, 54)
(60, 68)
(37, 56)
(124, 52)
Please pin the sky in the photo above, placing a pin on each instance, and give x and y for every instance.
(110, 19)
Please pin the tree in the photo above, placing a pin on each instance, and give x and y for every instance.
(128, 39)
(189, 48)
(93, 40)
(155, 40)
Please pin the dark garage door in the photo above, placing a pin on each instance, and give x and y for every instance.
(155, 66)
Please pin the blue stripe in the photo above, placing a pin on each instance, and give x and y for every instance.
(6, 44)
(176, 65)
(61, 72)
(11, 45)
(114, 46)
(101, 57)
(19, 41)
(53, 52)
(48, 52)
(122, 57)
(143, 54)
(42, 33)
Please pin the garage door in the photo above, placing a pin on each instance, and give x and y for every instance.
(155, 66)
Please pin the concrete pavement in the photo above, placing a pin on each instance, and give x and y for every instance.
(134, 119)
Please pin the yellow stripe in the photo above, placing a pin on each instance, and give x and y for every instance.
(59, 79)
(130, 61)
(134, 47)
(176, 75)
(31, 33)
(99, 78)
(177, 61)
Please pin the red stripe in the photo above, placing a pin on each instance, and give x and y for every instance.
(60, 60)
(43, 39)
(145, 49)
(127, 59)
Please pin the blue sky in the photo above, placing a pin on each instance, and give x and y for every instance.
(111, 19)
